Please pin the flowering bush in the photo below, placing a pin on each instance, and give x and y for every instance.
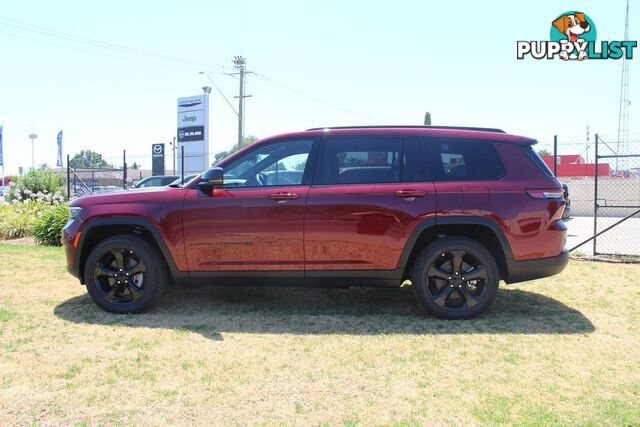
(17, 195)
(37, 185)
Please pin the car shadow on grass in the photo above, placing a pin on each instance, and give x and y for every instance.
(212, 311)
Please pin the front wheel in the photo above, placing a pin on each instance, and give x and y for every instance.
(455, 278)
(125, 274)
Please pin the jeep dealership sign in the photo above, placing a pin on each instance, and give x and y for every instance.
(193, 133)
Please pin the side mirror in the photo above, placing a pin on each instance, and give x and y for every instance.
(210, 179)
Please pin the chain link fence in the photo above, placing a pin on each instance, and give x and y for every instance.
(603, 190)
(617, 198)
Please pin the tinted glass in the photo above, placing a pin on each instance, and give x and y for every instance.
(360, 160)
(153, 182)
(536, 158)
(278, 163)
(464, 160)
(168, 180)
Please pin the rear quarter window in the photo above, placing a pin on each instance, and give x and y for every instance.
(537, 160)
(464, 160)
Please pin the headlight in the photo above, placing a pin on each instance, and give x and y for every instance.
(74, 211)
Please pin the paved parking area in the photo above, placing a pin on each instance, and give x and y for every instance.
(624, 239)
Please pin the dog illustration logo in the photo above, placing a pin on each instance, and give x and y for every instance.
(576, 29)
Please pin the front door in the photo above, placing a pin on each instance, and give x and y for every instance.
(255, 222)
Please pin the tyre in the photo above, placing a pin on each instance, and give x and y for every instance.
(125, 274)
(455, 278)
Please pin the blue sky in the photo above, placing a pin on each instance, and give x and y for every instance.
(319, 63)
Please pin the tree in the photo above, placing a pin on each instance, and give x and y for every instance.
(544, 152)
(88, 159)
(43, 167)
(427, 119)
(223, 154)
(135, 166)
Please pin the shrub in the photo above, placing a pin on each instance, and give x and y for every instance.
(17, 218)
(41, 185)
(48, 229)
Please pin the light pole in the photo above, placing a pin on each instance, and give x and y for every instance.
(173, 155)
(33, 137)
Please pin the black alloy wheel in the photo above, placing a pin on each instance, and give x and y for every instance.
(125, 274)
(119, 275)
(455, 278)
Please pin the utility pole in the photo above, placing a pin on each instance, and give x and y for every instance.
(622, 147)
(240, 65)
(587, 140)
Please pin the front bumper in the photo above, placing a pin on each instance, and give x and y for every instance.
(521, 271)
(70, 237)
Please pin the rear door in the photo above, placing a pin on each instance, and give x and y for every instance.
(367, 195)
(467, 175)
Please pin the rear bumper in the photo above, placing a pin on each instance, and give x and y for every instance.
(521, 271)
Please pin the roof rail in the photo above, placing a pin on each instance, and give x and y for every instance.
(413, 127)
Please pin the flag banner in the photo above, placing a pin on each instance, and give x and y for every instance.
(1, 158)
(59, 161)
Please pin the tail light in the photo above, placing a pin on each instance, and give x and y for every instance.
(546, 193)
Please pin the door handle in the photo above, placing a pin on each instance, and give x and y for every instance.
(281, 197)
(410, 193)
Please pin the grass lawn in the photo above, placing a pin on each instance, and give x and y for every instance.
(564, 350)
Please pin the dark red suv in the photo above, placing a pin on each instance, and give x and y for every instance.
(453, 210)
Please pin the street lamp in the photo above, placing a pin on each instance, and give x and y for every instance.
(33, 137)
(173, 155)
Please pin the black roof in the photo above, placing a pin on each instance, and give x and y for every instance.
(481, 129)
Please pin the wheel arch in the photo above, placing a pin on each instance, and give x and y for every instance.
(483, 230)
(98, 229)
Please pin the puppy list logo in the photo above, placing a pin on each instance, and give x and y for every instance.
(573, 37)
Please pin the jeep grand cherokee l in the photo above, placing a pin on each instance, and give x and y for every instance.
(454, 210)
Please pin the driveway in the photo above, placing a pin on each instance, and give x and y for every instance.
(623, 239)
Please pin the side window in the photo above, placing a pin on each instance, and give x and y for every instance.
(168, 180)
(360, 160)
(153, 182)
(270, 164)
(458, 160)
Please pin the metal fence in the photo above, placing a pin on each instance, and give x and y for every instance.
(115, 175)
(124, 172)
(604, 187)
(617, 199)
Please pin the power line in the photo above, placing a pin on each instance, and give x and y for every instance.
(314, 99)
(48, 32)
(218, 89)
(126, 52)
(98, 53)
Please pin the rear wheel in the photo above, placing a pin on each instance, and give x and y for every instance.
(455, 278)
(125, 274)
